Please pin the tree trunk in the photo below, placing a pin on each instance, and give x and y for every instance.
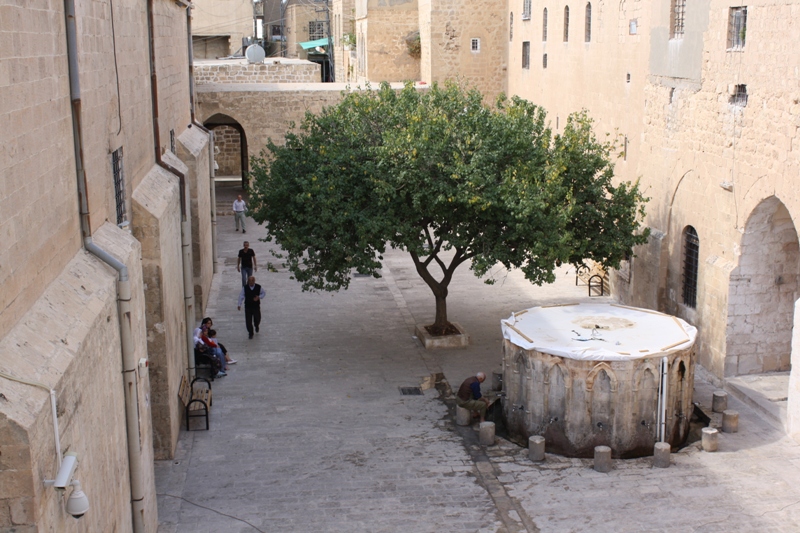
(441, 323)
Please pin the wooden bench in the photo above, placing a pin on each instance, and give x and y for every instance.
(594, 276)
(196, 401)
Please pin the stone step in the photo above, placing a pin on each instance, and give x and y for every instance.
(772, 409)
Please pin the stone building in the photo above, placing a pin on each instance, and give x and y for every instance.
(218, 27)
(703, 101)
(343, 19)
(105, 257)
(385, 33)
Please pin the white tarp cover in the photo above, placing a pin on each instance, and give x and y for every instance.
(598, 332)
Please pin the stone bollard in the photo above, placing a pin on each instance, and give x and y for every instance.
(463, 416)
(720, 401)
(730, 421)
(536, 448)
(486, 433)
(497, 380)
(661, 453)
(602, 459)
(710, 440)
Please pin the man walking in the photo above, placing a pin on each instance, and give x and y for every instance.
(239, 208)
(469, 395)
(251, 296)
(246, 262)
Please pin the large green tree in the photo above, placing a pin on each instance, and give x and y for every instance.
(449, 180)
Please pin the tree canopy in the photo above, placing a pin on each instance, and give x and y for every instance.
(448, 179)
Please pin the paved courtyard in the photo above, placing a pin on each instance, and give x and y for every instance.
(310, 432)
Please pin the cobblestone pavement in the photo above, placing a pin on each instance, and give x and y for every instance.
(310, 432)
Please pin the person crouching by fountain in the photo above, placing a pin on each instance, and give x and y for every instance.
(469, 395)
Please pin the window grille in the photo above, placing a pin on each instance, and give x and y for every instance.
(566, 24)
(119, 184)
(544, 60)
(588, 32)
(739, 96)
(676, 18)
(691, 256)
(526, 55)
(544, 25)
(172, 141)
(511, 27)
(317, 30)
(526, 9)
(476, 45)
(737, 27)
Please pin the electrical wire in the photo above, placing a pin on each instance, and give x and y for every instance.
(116, 68)
(212, 510)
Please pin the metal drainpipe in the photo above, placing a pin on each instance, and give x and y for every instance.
(211, 171)
(129, 372)
(186, 220)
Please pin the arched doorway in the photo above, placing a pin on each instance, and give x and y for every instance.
(230, 144)
(762, 293)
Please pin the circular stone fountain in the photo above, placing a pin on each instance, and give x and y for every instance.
(585, 375)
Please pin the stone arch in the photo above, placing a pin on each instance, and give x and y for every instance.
(228, 144)
(601, 367)
(762, 292)
(680, 385)
(646, 387)
(638, 375)
(557, 384)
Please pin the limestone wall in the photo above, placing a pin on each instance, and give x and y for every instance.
(449, 26)
(69, 340)
(193, 152)
(298, 15)
(343, 20)
(384, 32)
(273, 70)
(156, 207)
(229, 159)
(232, 19)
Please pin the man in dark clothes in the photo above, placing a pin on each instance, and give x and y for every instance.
(469, 395)
(251, 296)
(246, 263)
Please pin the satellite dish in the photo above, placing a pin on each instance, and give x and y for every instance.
(255, 54)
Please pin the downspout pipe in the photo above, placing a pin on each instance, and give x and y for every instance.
(129, 373)
(211, 170)
(186, 220)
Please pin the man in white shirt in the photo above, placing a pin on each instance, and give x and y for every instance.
(239, 208)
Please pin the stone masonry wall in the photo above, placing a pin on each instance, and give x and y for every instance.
(229, 157)
(156, 207)
(231, 18)
(385, 36)
(273, 70)
(64, 342)
(193, 152)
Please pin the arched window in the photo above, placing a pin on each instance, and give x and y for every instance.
(566, 24)
(544, 25)
(511, 27)
(691, 257)
(588, 37)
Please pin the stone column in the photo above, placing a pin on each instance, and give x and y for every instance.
(463, 416)
(602, 459)
(536, 448)
(710, 440)
(730, 421)
(720, 401)
(486, 434)
(661, 457)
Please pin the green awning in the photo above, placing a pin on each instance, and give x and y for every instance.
(313, 44)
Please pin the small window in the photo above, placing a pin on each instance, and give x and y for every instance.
(691, 259)
(172, 141)
(566, 24)
(544, 60)
(588, 32)
(526, 9)
(119, 185)
(544, 25)
(677, 11)
(476, 45)
(526, 55)
(739, 96)
(511, 27)
(633, 27)
(737, 27)
(317, 30)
